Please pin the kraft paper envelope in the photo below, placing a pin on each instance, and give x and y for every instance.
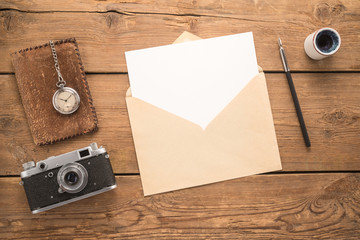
(174, 153)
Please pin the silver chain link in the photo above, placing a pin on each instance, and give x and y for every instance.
(61, 82)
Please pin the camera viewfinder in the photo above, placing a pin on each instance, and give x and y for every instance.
(84, 153)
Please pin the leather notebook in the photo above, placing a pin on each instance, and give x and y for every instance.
(36, 79)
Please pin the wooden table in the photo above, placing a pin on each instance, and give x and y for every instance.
(316, 196)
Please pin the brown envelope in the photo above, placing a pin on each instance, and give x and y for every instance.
(174, 153)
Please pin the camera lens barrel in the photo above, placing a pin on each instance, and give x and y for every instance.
(72, 178)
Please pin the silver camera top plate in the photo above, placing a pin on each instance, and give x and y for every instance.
(60, 160)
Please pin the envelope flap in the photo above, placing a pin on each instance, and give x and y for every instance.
(186, 37)
(128, 92)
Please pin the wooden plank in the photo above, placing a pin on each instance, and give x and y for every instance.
(306, 206)
(114, 132)
(324, 12)
(107, 29)
(330, 104)
(331, 111)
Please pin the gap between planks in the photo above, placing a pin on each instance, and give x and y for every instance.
(268, 174)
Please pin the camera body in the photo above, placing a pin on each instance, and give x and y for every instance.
(67, 178)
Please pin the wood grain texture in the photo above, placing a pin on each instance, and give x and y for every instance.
(330, 104)
(106, 29)
(307, 206)
(271, 206)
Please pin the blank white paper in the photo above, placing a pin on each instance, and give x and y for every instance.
(193, 80)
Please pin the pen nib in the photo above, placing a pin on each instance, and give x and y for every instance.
(280, 43)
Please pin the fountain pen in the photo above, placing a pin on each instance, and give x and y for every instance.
(294, 96)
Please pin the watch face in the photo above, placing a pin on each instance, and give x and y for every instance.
(66, 100)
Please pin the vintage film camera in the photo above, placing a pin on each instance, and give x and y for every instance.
(67, 178)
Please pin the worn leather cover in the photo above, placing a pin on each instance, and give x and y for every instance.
(36, 79)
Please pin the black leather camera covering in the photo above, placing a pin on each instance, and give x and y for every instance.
(42, 190)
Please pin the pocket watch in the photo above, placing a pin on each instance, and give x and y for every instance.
(65, 100)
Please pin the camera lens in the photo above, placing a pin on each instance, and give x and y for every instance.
(71, 178)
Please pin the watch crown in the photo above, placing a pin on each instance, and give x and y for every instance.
(28, 165)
